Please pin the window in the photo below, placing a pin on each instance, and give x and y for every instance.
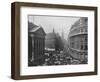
(85, 48)
(86, 20)
(82, 46)
(82, 29)
(72, 44)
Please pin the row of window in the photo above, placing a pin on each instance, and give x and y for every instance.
(79, 30)
(79, 42)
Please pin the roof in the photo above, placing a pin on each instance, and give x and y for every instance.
(32, 28)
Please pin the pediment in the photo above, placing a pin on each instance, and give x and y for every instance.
(40, 31)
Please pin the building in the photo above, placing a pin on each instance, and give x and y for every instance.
(36, 45)
(50, 40)
(78, 40)
(54, 41)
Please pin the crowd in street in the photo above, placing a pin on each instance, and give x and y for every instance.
(57, 58)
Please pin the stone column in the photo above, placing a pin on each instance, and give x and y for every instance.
(32, 36)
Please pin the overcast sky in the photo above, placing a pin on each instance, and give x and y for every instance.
(58, 23)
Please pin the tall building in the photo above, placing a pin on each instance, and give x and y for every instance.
(50, 40)
(36, 45)
(53, 41)
(78, 40)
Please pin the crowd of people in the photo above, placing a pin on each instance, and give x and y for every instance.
(57, 58)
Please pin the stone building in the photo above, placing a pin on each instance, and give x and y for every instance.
(50, 40)
(78, 40)
(53, 41)
(36, 45)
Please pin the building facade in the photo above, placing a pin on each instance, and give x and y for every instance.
(78, 40)
(50, 40)
(54, 41)
(36, 45)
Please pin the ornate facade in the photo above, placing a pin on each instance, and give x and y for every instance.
(78, 40)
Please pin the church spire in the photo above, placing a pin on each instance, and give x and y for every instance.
(62, 34)
(53, 30)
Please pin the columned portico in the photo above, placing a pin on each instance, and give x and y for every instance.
(36, 46)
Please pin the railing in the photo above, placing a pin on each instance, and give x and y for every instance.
(75, 34)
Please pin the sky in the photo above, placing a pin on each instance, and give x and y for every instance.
(58, 23)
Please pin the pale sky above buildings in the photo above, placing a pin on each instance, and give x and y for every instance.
(58, 23)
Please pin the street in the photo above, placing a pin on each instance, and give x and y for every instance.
(56, 58)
